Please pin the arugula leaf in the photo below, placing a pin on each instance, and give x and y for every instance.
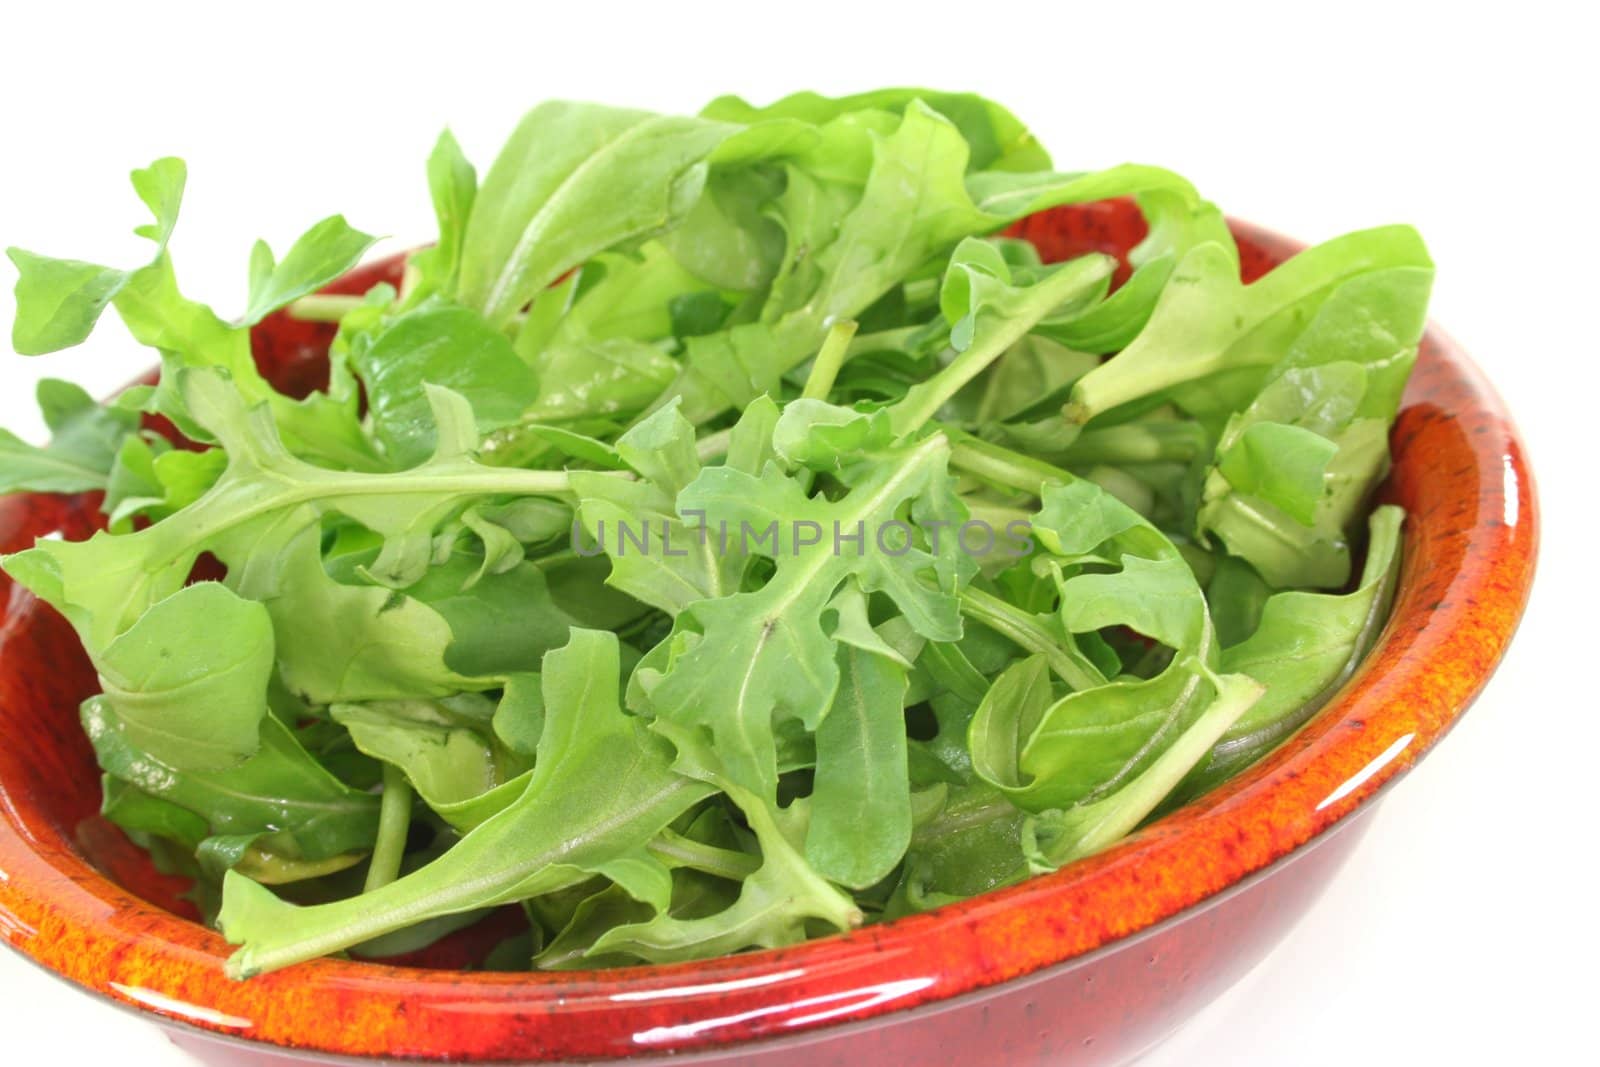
(1280, 463)
(148, 478)
(728, 239)
(442, 752)
(861, 776)
(693, 560)
(1207, 322)
(453, 185)
(60, 300)
(601, 787)
(341, 642)
(142, 815)
(1294, 469)
(738, 663)
(774, 403)
(320, 255)
(573, 180)
(443, 347)
(80, 455)
(969, 843)
(188, 681)
(1049, 753)
(1056, 837)
(913, 204)
(988, 312)
(1306, 646)
(254, 511)
(996, 139)
(775, 901)
(280, 791)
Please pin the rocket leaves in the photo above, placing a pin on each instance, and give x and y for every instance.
(601, 787)
(574, 180)
(82, 453)
(727, 532)
(188, 681)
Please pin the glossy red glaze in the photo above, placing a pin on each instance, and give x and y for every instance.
(1090, 965)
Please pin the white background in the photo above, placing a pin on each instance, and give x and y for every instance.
(1464, 929)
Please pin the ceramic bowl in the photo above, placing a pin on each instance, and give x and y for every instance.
(1090, 965)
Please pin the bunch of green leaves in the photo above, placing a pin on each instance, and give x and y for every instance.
(722, 535)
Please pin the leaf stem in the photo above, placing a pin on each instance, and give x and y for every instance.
(991, 340)
(324, 307)
(1002, 466)
(1139, 442)
(394, 823)
(721, 862)
(882, 340)
(835, 348)
(1012, 622)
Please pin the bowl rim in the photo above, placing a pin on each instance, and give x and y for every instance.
(1471, 539)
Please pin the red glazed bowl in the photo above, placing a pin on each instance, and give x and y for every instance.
(1090, 965)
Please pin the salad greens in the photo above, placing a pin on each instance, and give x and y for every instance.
(724, 534)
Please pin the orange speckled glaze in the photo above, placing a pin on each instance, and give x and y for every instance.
(1089, 965)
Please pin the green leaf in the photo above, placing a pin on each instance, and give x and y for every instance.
(188, 681)
(500, 624)
(969, 844)
(321, 254)
(996, 138)
(1045, 753)
(861, 778)
(1008, 715)
(913, 205)
(1054, 838)
(989, 310)
(447, 760)
(82, 451)
(448, 347)
(341, 642)
(615, 376)
(140, 813)
(775, 902)
(156, 483)
(1306, 647)
(574, 180)
(160, 186)
(1207, 322)
(688, 560)
(255, 510)
(60, 300)
(1282, 464)
(1155, 597)
(601, 787)
(1236, 594)
(1320, 422)
(189, 335)
(519, 718)
(727, 239)
(753, 658)
(453, 185)
(280, 791)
